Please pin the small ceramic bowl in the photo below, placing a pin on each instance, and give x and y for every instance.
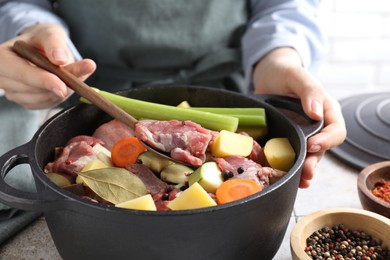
(367, 179)
(355, 219)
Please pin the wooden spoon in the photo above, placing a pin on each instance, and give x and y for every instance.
(33, 55)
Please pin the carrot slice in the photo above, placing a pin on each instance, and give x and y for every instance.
(126, 151)
(235, 189)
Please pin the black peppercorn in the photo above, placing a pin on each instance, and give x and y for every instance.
(165, 196)
(227, 175)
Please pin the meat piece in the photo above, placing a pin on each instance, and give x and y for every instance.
(160, 202)
(186, 141)
(112, 131)
(244, 168)
(75, 155)
(153, 184)
(162, 198)
(89, 140)
(274, 174)
(236, 164)
(257, 154)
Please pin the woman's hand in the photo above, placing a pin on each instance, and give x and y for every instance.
(30, 86)
(281, 73)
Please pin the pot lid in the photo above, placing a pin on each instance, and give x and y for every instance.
(367, 119)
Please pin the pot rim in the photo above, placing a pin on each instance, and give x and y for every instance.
(73, 201)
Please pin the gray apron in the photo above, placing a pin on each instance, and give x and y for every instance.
(139, 42)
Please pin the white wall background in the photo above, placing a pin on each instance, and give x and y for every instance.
(359, 37)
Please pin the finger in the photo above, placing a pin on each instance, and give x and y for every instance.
(11, 86)
(334, 131)
(82, 69)
(41, 100)
(312, 105)
(8, 84)
(311, 94)
(52, 40)
(308, 169)
(27, 74)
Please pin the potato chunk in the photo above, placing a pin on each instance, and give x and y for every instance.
(92, 165)
(229, 143)
(279, 153)
(192, 198)
(60, 179)
(144, 202)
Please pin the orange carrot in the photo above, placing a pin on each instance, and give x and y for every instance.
(235, 189)
(126, 151)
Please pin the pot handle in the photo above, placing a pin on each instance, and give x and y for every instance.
(292, 109)
(43, 200)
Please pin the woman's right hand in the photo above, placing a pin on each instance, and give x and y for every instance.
(30, 86)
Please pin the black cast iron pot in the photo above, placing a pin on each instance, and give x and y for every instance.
(251, 228)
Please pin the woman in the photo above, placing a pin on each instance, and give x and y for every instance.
(262, 47)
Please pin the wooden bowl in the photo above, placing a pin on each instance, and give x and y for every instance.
(355, 219)
(367, 179)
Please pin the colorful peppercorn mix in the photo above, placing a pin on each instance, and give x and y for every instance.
(340, 243)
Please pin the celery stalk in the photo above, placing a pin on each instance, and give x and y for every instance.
(254, 117)
(233, 110)
(144, 109)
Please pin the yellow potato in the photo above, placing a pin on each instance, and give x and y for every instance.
(92, 165)
(229, 143)
(279, 153)
(192, 198)
(144, 202)
(184, 104)
(60, 179)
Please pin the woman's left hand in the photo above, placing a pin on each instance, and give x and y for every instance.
(280, 72)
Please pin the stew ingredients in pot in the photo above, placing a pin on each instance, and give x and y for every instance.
(112, 168)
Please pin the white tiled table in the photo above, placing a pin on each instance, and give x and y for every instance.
(335, 185)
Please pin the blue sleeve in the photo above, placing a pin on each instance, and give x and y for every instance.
(283, 23)
(15, 16)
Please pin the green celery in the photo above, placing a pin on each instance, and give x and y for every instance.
(254, 117)
(233, 110)
(143, 109)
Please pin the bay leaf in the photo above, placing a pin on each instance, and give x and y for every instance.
(113, 184)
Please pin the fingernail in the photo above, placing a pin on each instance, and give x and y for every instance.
(59, 54)
(316, 108)
(314, 148)
(58, 92)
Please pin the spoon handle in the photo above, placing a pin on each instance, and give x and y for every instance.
(33, 55)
